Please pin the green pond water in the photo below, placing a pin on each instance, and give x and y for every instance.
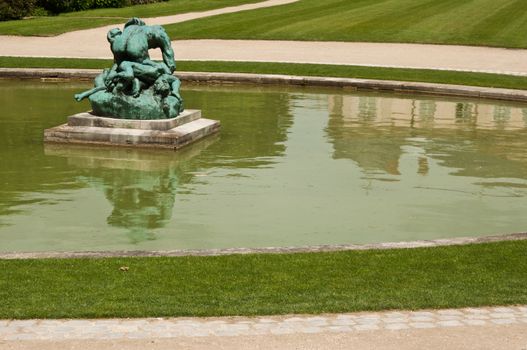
(290, 167)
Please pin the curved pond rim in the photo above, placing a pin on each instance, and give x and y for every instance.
(268, 250)
(291, 80)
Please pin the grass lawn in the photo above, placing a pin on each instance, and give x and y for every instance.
(48, 26)
(445, 277)
(422, 75)
(470, 22)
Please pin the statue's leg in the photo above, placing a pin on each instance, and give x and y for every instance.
(145, 72)
(101, 78)
(126, 71)
(99, 82)
(124, 78)
(176, 84)
(136, 87)
(83, 95)
(161, 67)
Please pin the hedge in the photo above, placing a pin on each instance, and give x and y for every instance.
(15, 9)
(58, 6)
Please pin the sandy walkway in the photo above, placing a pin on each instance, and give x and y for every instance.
(477, 338)
(92, 44)
(443, 57)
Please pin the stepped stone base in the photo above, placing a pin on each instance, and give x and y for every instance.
(86, 128)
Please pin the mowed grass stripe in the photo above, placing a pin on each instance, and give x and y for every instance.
(468, 22)
(54, 25)
(445, 277)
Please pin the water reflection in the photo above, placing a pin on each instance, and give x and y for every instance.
(25, 174)
(255, 123)
(472, 139)
(281, 173)
(141, 185)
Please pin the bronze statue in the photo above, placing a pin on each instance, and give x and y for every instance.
(137, 87)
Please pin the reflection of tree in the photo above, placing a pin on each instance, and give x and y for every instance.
(427, 110)
(27, 109)
(480, 153)
(254, 123)
(376, 144)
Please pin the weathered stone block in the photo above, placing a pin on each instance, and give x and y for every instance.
(85, 128)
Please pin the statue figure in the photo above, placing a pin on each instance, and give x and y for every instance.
(137, 87)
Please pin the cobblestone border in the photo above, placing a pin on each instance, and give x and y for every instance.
(156, 328)
(350, 83)
(268, 250)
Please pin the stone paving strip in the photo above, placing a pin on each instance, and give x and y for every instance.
(268, 250)
(159, 328)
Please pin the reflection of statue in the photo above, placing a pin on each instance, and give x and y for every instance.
(137, 87)
(140, 184)
(142, 200)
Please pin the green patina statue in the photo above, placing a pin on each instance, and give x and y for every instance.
(137, 87)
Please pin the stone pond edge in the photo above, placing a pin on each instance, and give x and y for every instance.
(275, 79)
(366, 84)
(268, 250)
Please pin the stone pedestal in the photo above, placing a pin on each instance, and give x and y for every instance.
(86, 128)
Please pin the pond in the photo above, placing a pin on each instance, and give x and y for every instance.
(290, 167)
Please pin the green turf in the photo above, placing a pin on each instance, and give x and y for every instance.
(419, 75)
(447, 277)
(48, 26)
(471, 22)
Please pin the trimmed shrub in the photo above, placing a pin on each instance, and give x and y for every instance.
(59, 6)
(15, 9)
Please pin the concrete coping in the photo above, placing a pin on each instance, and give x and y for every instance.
(359, 84)
(91, 120)
(267, 250)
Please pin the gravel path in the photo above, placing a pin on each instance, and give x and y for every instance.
(510, 323)
(92, 44)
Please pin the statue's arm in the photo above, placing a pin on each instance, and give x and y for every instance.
(163, 41)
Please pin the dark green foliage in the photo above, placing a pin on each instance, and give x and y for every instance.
(60, 6)
(140, 2)
(15, 9)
